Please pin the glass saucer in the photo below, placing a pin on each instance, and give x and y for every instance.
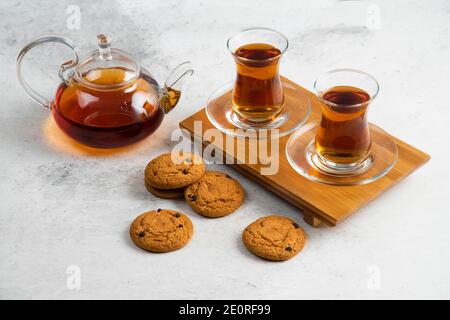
(297, 108)
(302, 157)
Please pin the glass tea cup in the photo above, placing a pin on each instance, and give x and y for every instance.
(257, 95)
(343, 140)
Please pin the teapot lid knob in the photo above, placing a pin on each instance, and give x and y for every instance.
(104, 43)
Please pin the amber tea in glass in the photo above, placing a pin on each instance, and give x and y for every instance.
(343, 140)
(258, 92)
(343, 135)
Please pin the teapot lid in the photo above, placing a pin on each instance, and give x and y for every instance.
(90, 71)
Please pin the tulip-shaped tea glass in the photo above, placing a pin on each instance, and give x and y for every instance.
(343, 148)
(258, 95)
(259, 98)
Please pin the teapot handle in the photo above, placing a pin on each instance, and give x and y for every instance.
(63, 68)
(173, 84)
(176, 76)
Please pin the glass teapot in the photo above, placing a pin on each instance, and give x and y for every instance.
(107, 99)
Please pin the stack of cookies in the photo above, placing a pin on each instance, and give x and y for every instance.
(167, 175)
(211, 194)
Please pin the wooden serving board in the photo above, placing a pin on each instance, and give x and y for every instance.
(319, 202)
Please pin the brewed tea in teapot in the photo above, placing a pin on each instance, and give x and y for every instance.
(108, 100)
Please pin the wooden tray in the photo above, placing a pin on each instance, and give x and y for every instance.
(319, 202)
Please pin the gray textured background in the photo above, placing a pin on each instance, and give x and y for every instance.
(61, 208)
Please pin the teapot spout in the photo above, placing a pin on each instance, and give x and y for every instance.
(173, 85)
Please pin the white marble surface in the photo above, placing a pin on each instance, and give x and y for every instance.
(62, 208)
